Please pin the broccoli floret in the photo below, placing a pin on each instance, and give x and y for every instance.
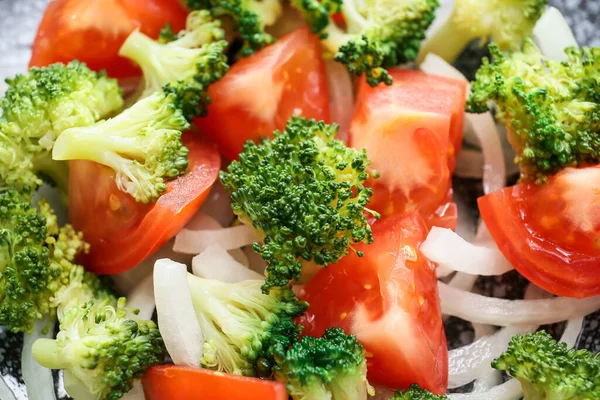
(414, 392)
(101, 350)
(332, 367)
(505, 22)
(250, 17)
(142, 145)
(378, 34)
(549, 370)
(303, 193)
(244, 329)
(37, 107)
(551, 109)
(194, 56)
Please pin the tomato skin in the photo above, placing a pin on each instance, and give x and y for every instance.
(168, 382)
(549, 232)
(260, 93)
(123, 232)
(387, 298)
(93, 31)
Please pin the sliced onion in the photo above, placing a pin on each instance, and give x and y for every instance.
(5, 392)
(462, 281)
(38, 380)
(510, 390)
(218, 205)
(488, 381)
(501, 312)
(436, 65)
(447, 249)
(483, 330)
(216, 263)
(255, 261)
(142, 298)
(240, 256)
(202, 221)
(177, 320)
(572, 331)
(469, 164)
(553, 34)
(136, 392)
(195, 242)
(341, 98)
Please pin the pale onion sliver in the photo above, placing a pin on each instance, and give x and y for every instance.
(195, 242)
(501, 312)
(447, 249)
(510, 390)
(572, 331)
(5, 392)
(553, 34)
(177, 320)
(142, 298)
(136, 393)
(38, 380)
(216, 263)
(341, 96)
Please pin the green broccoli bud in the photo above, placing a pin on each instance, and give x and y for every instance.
(102, 349)
(193, 57)
(250, 18)
(303, 193)
(551, 109)
(414, 392)
(332, 367)
(378, 34)
(244, 329)
(549, 370)
(142, 145)
(504, 22)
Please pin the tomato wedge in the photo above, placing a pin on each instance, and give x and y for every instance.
(260, 93)
(175, 382)
(123, 232)
(388, 298)
(549, 232)
(93, 31)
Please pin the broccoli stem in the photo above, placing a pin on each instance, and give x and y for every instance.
(44, 351)
(448, 42)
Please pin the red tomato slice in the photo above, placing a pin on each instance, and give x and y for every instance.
(123, 232)
(93, 31)
(175, 382)
(549, 232)
(260, 93)
(389, 300)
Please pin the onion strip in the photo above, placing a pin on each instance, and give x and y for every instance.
(195, 242)
(341, 96)
(216, 263)
(142, 298)
(510, 390)
(5, 392)
(552, 34)
(38, 380)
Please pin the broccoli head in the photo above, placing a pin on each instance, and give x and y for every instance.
(142, 145)
(38, 106)
(414, 392)
(101, 349)
(549, 370)
(250, 17)
(332, 367)
(379, 34)
(194, 57)
(244, 329)
(303, 193)
(551, 109)
(504, 22)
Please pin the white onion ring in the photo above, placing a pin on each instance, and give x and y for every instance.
(469, 164)
(510, 390)
(195, 242)
(5, 392)
(447, 249)
(463, 281)
(136, 392)
(177, 320)
(38, 380)
(341, 98)
(572, 331)
(553, 34)
(142, 298)
(216, 263)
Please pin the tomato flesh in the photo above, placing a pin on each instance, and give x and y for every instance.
(549, 232)
(93, 31)
(168, 382)
(123, 232)
(260, 93)
(387, 298)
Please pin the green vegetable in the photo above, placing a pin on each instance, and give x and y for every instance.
(101, 349)
(37, 107)
(142, 145)
(332, 367)
(551, 109)
(243, 328)
(505, 22)
(379, 34)
(193, 57)
(549, 370)
(303, 193)
(414, 392)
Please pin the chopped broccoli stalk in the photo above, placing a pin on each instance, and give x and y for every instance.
(303, 193)
(194, 56)
(378, 34)
(504, 22)
(551, 109)
(102, 349)
(414, 392)
(332, 367)
(142, 145)
(244, 329)
(549, 370)
(250, 17)
(41, 104)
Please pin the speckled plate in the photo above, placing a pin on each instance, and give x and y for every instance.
(18, 23)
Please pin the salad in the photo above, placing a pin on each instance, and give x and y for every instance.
(253, 199)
